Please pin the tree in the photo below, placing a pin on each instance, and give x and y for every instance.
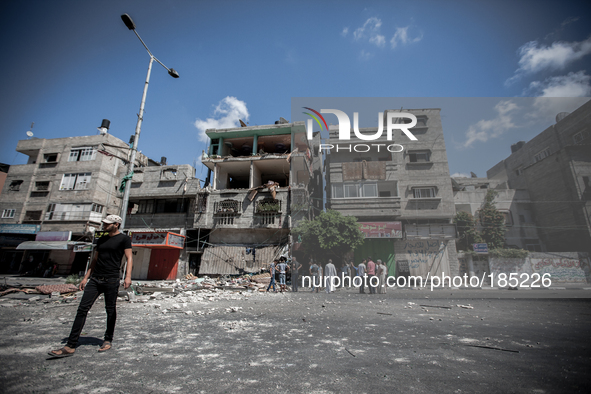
(492, 222)
(329, 235)
(469, 235)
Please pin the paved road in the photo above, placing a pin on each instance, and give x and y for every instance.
(511, 341)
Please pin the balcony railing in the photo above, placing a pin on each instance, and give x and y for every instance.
(268, 206)
(226, 207)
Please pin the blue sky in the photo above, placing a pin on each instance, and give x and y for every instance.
(69, 64)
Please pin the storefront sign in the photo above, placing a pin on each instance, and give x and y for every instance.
(163, 240)
(176, 240)
(19, 228)
(82, 248)
(381, 229)
(54, 236)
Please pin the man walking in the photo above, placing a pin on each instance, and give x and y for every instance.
(102, 277)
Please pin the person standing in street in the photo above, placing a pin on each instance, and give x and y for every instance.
(361, 273)
(371, 272)
(295, 273)
(272, 272)
(315, 274)
(282, 268)
(330, 272)
(102, 277)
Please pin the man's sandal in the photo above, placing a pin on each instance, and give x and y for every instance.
(106, 346)
(63, 352)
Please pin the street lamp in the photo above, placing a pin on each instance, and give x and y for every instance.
(171, 71)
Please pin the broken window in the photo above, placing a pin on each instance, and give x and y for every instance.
(15, 186)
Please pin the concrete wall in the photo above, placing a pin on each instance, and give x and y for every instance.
(428, 256)
(565, 267)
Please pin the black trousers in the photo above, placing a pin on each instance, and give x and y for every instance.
(95, 287)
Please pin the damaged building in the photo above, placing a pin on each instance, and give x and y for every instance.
(261, 181)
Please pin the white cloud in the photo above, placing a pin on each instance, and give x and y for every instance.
(460, 175)
(483, 130)
(570, 85)
(226, 115)
(378, 40)
(345, 32)
(535, 57)
(365, 55)
(372, 25)
(402, 37)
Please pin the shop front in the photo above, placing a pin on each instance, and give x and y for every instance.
(379, 243)
(156, 255)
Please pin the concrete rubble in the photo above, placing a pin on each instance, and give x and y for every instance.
(168, 296)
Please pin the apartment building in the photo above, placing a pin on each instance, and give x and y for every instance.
(400, 193)
(515, 205)
(51, 206)
(555, 168)
(262, 180)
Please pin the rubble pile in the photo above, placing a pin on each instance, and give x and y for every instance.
(167, 295)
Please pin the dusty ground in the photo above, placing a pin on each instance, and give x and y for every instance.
(523, 342)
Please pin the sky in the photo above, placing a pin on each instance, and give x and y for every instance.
(69, 64)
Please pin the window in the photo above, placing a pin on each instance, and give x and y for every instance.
(369, 190)
(50, 158)
(146, 206)
(50, 212)
(75, 181)
(8, 213)
(85, 153)
(355, 190)
(519, 171)
(424, 192)
(351, 190)
(419, 156)
(580, 136)
(542, 155)
(15, 186)
(337, 190)
(33, 215)
(41, 186)
(97, 208)
(508, 218)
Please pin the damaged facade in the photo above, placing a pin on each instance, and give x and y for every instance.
(262, 181)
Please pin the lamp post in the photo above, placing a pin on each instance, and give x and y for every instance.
(138, 127)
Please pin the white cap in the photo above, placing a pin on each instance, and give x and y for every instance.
(112, 219)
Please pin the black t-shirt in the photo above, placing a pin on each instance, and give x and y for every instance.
(110, 253)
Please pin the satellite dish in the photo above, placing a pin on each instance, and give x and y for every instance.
(29, 133)
(242, 124)
(282, 120)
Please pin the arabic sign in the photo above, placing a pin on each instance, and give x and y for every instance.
(20, 228)
(53, 236)
(481, 248)
(163, 240)
(381, 229)
(142, 239)
(176, 240)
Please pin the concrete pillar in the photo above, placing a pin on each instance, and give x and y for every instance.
(470, 265)
(255, 142)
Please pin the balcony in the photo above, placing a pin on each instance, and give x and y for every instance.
(376, 206)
